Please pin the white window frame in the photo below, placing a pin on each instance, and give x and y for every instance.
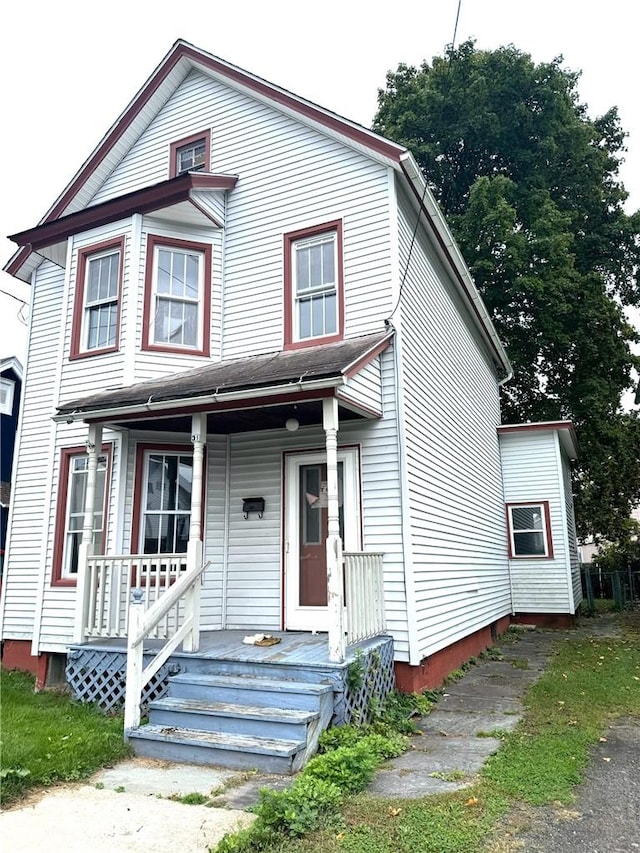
(7, 391)
(191, 148)
(543, 508)
(111, 301)
(312, 293)
(73, 476)
(197, 301)
(145, 512)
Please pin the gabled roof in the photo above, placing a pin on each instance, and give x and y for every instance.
(11, 363)
(163, 82)
(296, 371)
(565, 430)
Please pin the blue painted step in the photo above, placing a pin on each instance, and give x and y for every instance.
(191, 746)
(239, 721)
(247, 720)
(249, 689)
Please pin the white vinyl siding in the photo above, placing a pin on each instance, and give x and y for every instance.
(574, 557)
(290, 177)
(451, 411)
(30, 496)
(532, 472)
(365, 388)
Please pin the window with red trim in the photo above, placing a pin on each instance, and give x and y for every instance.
(70, 510)
(313, 285)
(529, 526)
(177, 306)
(191, 154)
(96, 315)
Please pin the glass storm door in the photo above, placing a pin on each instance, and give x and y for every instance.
(306, 533)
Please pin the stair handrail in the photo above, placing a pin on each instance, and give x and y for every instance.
(142, 623)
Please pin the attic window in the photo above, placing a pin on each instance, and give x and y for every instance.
(190, 154)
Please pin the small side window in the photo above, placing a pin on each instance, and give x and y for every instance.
(6, 396)
(529, 530)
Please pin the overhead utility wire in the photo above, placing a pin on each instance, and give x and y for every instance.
(424, 193)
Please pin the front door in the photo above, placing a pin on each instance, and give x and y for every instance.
(306, 533)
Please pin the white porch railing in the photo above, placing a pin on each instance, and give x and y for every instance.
(144, 623)
(364, 595)
(109, 584)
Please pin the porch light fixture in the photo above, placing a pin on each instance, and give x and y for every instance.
(292, 424)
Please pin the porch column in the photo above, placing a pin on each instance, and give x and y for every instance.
(194, 546)
(94, 445)
(334, 544)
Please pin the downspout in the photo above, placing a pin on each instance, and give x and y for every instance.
(225, 533)
(223, 266)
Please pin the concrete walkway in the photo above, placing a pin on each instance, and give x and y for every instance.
(456, 738)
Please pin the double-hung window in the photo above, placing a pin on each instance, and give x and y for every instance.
(166, 502)
(74, 470)
(529, 530)
(97, 304)
(177, 298)
(313, 285)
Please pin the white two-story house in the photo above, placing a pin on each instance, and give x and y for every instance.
(259, 370)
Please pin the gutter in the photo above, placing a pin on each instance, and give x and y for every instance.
(107, 413)
(412, 172)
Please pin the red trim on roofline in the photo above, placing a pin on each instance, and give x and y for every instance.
(171, 191)
(182, 49)
(255, 402)
(540, 425)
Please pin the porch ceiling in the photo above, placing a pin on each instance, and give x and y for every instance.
(240, 387)
(223, 422)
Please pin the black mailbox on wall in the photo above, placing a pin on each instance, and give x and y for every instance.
(253, 505)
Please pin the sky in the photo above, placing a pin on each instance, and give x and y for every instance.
(67, 73)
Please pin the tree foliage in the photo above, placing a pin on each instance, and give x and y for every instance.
(529, 185)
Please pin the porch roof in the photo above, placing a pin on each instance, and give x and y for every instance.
(296, 371)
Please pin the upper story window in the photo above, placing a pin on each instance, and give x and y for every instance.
(97, 303)
(74, 468)
(529, 530)
(7, 387)
(190, 154)
(177, 296)
(313, 285)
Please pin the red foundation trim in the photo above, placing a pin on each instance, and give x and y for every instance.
(545, 620)
(433, 670)
(16, 654)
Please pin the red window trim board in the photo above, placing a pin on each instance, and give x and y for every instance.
(141, 450)
(189, 140)
(547, 524)
(205, 249)
(84, 255)
(57, 578)
(289, 240)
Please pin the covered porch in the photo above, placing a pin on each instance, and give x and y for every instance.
(151, 602)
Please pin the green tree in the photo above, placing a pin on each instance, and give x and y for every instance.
(529, 185)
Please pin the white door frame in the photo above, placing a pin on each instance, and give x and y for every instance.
(297, 617)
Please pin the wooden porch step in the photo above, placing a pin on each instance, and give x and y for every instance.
(250, 690)
(282, 723)
(196, 746)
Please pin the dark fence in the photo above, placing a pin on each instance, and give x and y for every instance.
(621, 586)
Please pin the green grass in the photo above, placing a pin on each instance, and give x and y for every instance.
(587, 684)
(47, 737)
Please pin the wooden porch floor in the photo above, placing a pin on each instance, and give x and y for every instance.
(295, 648)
